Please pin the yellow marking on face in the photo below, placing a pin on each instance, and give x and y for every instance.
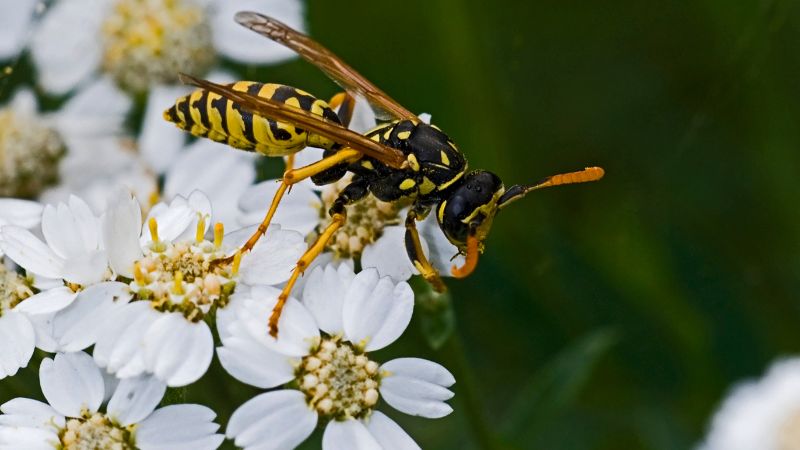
(427, 186)
(407, 184)
(445, 159)
(403, 134)
(440, 212)
(413, 163)
(447, 184)
(487, 208)
(367, 165)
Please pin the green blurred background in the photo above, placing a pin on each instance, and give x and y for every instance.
(605, 316)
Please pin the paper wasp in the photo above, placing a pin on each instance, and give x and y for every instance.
(401, 158)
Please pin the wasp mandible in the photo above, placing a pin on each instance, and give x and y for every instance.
(402, 158)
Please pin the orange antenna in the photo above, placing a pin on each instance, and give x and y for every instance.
(586, 175)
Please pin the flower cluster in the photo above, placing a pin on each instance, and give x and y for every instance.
(121, 270)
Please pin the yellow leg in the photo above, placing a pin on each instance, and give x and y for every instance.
(337, 220)
(290, 162)
(291, 177)
(344, 105)
(417, 255)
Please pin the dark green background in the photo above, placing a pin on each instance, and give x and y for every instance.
(605, 316)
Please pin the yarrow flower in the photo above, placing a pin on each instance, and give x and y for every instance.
(322, 355)
(72, 418)
(761, 414)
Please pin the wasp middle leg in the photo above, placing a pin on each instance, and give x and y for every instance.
(417, 255)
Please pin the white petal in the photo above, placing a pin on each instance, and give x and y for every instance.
(375, 310)
(159, 140)
(274, 420)
(29, 413)
(299, 210)
(119, 345)
(83, 116)
(441, 252)
(417, 387)
(177, 351)
(388, 433)
(15, 19)
(43, 328)
(297, 330)
(179, 219)
(71, 383)
(121, 227)
(71, 230)
(80, 324)
(22, 213)
(179, 427)
(48, 301)
(388, 255)
(17, 341)
(64, 46)
(135, 398)
(243, 45)
(348, 435)
(254, 364)
(25, 438)
(324, 294)
(273, 258)
(29, 252)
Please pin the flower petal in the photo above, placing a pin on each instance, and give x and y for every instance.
(64, 44)
(241, 44)
(121, 227)
(388, 433)
(17, 341)
(324, 295)
(15, 19)
(22, 213)
(388, 255)
(83, 116)
(179, 427)
(71, 382)
(24, 412)
(273, 258)
(160, 141)
(48, 301)
(349, 434)
(441, 253)
(29, 252)
(177, 351)
(297, 330)
(417, 386)
(81, 323)
(375, 310)
(273, 420)
(119, 345)
(299, 210)
(135, 399)
(254, 364)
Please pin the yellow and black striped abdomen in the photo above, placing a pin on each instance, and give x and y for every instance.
(206, 114)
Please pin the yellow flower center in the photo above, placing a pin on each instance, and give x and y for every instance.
(13, 289)
(339, 381)
(29, 154)
(95, 432)
(148, 42)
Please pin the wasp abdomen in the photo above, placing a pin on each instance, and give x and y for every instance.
(209, 115)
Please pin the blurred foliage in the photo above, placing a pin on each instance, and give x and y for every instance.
(688, 249)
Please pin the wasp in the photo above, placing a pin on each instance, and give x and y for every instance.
(401, 158)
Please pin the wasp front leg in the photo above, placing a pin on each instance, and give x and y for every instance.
(417, 255)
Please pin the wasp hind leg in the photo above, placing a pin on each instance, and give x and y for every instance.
(353, 192)
(291, 177)
(344, 104)
(417, 255)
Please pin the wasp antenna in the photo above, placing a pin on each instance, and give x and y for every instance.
(586, 175)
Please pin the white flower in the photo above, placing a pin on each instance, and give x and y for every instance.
(72, 419)
(142, 44)
(323, 348)
(762, 414)
(174, 285)
(17, 335)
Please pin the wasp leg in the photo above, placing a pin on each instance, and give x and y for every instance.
(353, 192)
(291, 177)
(344, 104)
(417, 255)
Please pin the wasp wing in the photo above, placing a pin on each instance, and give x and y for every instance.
(312, 51)
(303, 119)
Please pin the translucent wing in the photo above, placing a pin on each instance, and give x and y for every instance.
(303, 119)
(355, 83)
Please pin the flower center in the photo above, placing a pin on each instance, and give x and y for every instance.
(148, 42)
(179, 277)
(29, 154)
(366, 220)
(13, 289)
(339, 381)
(95, 432)
(789, 433)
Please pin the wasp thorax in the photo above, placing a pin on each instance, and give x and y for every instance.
(180, 276)
(95, 432)
(366, 220)
(13, 289)
(339, 380)
(148, 42)
(29, 154)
